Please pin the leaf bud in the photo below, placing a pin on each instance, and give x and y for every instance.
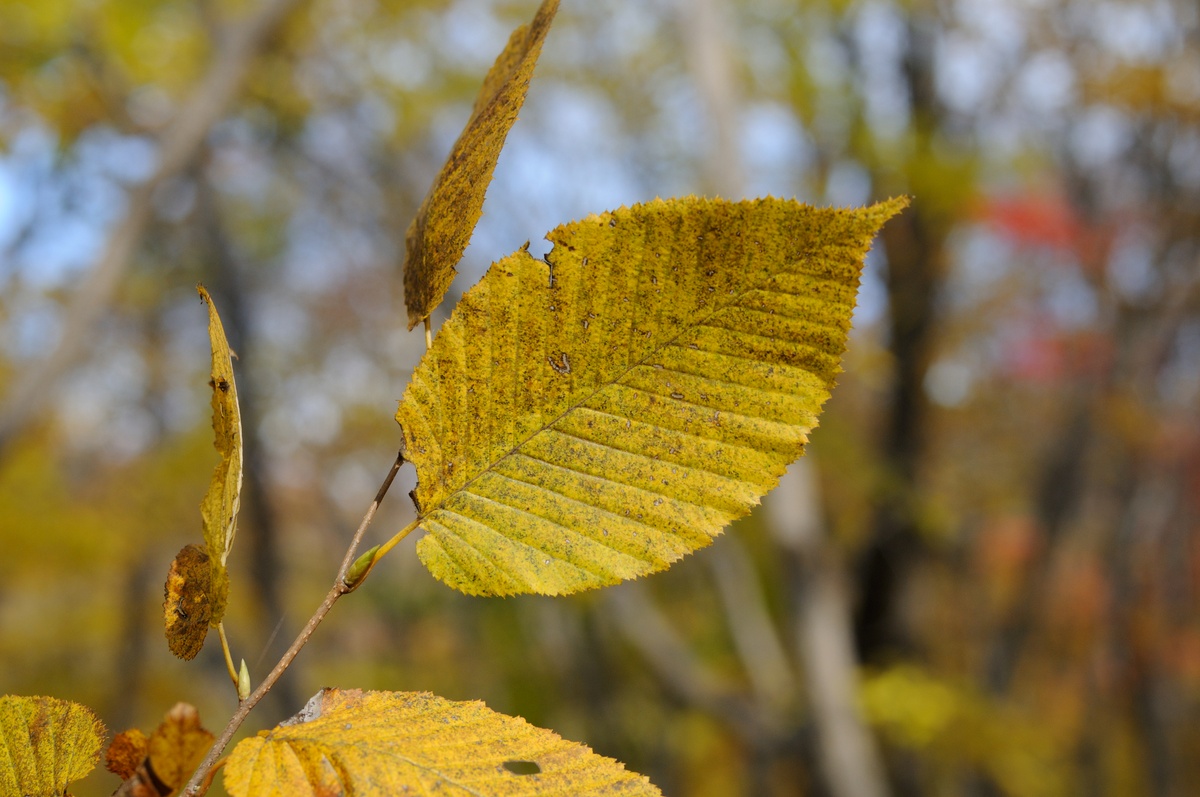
(358, 571)
(243, 682)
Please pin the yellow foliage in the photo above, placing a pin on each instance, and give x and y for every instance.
(594, 417)
(387, 743)
(47, 744)
(442, 228)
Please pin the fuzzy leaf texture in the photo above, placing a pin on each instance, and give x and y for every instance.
(219, 509)
(45, 743)
(442, 228)
(387, 743)
(595, 417)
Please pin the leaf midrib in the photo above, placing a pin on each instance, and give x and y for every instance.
(733, 300)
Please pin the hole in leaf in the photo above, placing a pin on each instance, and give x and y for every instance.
(522, 767)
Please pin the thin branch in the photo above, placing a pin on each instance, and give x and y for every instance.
(193, 788)
(202, 776)
(368, 517)
(178, 146)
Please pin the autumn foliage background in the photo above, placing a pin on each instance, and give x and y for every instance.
(1006, 480)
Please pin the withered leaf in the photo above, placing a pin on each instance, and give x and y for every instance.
(169, 756)
(126, 753)
(187, 601)
(195, 600)
(442, 228)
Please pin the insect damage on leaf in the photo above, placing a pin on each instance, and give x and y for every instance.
(596, 416)
(195, 600)
(46, 743)
(187, 606)
(377, 743)
(442, 228)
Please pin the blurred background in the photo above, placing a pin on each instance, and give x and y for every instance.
(984, 579)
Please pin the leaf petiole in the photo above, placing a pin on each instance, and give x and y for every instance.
(233, 673)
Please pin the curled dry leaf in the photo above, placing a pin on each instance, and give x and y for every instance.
(595, 416)
(187, 607)
(442, 228)
(219, 509)
(126, 753)
(168, 757)
(373, 744)
(194, 600)
(46, 744)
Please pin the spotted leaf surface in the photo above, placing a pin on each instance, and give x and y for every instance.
(596, 416)
(373, 744)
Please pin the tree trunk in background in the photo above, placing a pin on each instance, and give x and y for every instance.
(894, 548)
(848, 759)
(914, 244)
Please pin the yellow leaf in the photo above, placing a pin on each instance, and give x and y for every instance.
(594, 417)
(219, 509)
(388, 743)
(439, 234)
(45, 743)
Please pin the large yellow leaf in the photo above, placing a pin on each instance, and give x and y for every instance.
(439, 234)
(389, 743)
(595, 417)
(45, 743)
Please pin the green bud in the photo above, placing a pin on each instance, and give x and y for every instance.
(358, 571)
(243, 682)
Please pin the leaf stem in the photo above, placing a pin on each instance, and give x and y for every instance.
(202, 777)
(394, 541)
(233, 675)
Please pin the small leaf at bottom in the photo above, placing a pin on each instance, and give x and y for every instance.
(386, 743)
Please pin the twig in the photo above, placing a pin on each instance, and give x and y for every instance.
(196, 786)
